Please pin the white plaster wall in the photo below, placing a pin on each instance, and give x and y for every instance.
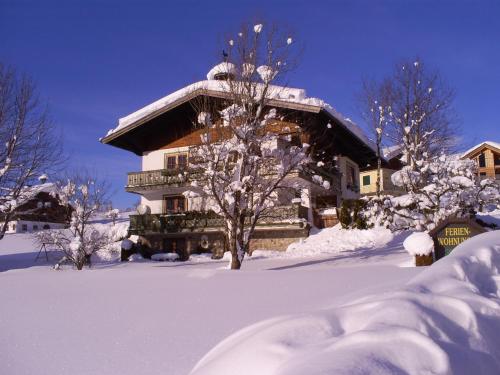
(156, 159)
(154, 201)
(30, 224)
(342, 163)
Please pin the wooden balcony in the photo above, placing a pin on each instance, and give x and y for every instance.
(162, 177)
(192, 221)
(148, 180)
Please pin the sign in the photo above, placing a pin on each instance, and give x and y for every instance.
(451, 233)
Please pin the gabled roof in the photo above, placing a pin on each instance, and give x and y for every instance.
(283, 97)
(30, 192)
(494, 145)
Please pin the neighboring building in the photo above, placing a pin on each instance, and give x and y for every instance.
(390, 163)
(38, 209)
(487, 157)
(173, 211)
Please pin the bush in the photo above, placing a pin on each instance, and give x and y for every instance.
(351, 214)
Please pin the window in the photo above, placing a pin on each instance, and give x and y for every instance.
(295, 140)
(25, 227)
(366, 180)
(46, 226)
(13, 227)
(174, 204)
(35, 227)
(182, 161)
(176, 161)
(171, 162)
(232, 157)
(350, 175)
(482, 161)
(497, 159)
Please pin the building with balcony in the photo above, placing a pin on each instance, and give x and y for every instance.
(174, 215)
(487, 157)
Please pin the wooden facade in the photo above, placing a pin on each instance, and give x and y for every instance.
(487, 157)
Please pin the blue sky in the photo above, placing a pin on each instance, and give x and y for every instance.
(96, 61)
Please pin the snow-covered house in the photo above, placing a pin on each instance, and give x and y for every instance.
(37, 208)
(390, 163)
(487, 157)
(172, 212)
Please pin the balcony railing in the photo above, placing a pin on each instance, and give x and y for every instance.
(195, 220)
(172, 177)
(184, 177)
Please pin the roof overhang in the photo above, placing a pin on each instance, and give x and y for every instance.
(127, 136)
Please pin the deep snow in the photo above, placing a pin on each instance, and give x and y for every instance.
(444, 321)
(145, 317)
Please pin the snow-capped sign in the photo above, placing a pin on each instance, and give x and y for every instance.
(451, 233)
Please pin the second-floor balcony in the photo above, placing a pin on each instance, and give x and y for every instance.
(162, 177)
(179, 177)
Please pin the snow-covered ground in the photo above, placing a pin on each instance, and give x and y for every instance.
(161, 317)
(446, 320)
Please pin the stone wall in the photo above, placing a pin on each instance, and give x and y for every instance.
(195, 242)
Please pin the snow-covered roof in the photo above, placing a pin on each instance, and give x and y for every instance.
(276, 93)
(30, 192)
(489, 143)
(391, 151)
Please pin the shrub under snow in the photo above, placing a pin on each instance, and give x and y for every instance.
(442, 187)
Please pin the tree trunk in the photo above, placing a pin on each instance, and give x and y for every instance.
(379, 165)
(235, 260)
(233, 247)
(5, 226)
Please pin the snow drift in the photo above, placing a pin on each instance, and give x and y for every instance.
(444, 321)
(335, 240)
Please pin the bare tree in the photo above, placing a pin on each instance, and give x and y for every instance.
(29, 145)
(85, 196)
(113, 214)
(246, 152)
(421, 111)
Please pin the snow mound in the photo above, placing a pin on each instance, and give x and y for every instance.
(444, 321)
(419, 243)
(165, 257)
(335, 240)
(135, 258)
